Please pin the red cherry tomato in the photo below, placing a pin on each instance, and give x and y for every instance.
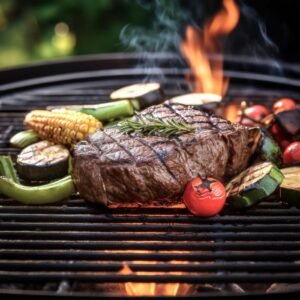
(292, 153)
(252, 114)
(284, 104)
(256, 112)
(204, 197)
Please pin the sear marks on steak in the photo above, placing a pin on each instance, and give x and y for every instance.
(113, 167)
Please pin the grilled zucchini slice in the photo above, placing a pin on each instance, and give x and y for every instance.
(254, 184)
(147, 93)
(290, 186)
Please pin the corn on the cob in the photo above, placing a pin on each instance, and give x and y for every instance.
(61, 126)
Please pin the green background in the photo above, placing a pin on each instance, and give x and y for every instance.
(44, 29)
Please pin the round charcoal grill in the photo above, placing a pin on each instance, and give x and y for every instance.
(75, 250)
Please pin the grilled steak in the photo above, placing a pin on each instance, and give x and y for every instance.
(113, 167)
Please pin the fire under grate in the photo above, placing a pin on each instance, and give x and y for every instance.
(74, 249)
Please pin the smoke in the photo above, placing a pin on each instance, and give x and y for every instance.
(170, 18)
(250, 39)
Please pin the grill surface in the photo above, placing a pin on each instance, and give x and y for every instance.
(74, 249)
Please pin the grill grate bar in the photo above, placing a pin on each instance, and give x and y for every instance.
(160, 256)
(116, 245)
(167, 236)
(96, 266)
(84, 215)
(104, 278)
(132, 226)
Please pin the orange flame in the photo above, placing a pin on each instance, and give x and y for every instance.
(209, 77)
(151, 288)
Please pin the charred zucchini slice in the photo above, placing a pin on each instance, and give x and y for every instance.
(290, 186)
(43, 161)
(147, 93)
(253, 184)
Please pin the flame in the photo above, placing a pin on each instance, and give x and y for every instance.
(149, 289)
(209, 77)
(152, 288)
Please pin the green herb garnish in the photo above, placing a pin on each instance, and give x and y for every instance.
(150, 126)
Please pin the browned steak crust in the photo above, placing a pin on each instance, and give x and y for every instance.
(115, 167)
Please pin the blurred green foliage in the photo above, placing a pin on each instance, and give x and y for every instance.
(43, 29)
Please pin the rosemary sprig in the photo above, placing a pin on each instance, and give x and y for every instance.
(158, 127)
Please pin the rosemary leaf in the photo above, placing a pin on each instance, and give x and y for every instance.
(159, 127)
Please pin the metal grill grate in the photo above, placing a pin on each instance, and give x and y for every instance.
(74, 249)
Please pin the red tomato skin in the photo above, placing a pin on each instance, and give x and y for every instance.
(256, 112)
(284, 104)
(292, 153)
(201, 201)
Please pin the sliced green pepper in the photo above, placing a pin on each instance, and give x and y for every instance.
(36, 195)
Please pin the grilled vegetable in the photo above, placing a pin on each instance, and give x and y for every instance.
(253, 185)
(252, 115)
(291, 153)
(7, 168)
(290, 186)
(43, 161)
(24, 138)
(196, 99)
(62, 126)
(36, 195)
(284, 104)
(204, 197)
(269, 150)
(104, 111)
(147, 93)
(289, 121)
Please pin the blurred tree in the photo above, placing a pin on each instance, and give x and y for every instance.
(39, 29)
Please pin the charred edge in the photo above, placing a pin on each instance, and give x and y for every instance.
(160, 158)
(122, 147)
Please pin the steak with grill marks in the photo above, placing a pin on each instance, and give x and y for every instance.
(114, 167)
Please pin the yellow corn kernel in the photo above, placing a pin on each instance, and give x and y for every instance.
(61, 126)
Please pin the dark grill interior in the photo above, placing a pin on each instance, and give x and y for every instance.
(74, 249)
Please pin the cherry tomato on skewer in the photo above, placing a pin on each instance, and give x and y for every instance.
(204, 197)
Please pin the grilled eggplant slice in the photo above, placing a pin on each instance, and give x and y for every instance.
(253, 184)
(290, 186)
(43, 161)
(147, 93)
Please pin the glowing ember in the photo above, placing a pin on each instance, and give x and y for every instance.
(208, 73)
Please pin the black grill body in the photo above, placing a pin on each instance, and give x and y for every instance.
(76, 250)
